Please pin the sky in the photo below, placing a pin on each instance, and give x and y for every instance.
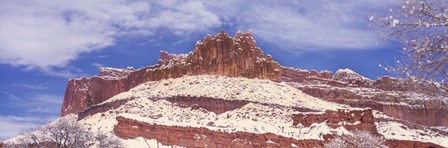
(45, 43)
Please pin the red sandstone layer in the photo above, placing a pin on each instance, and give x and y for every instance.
(203, 137)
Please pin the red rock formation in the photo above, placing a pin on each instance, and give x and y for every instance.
(203, 137)
(239, 57)
(426, 112)
(101, 108)
(217, 106)
(410, 144)
(221, 55)
(351, 120)
(385, 94)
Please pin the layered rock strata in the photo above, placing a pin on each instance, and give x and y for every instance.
(419, 102)
(220, 55)
(416, 101)
(350, 120)
(203, 137)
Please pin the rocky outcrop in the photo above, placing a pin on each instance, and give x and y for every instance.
(102, 108)
(203, 137)
(420, 102)
(239, 57)
(349, 119)
(215, 105)
(410, 144)
(220, 55)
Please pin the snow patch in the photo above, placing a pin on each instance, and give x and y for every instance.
(395, 130)
(348, 74)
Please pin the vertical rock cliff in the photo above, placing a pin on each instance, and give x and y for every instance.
(219, 55)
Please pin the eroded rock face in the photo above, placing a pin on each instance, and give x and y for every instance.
(239, 57)
(220, 55)
(426, 112)
(419, 102)
(83, 93)
(409, 144)
(203, 137)
(350, 120)
(217, 106)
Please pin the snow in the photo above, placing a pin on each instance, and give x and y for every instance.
(110, 73)
(348, 74)
(297, 69)
(413, 99)
(255, 90)
(394, 22)
(174, 59)
(293, 145)
(395, 130)
(143, 142)
(271, 142)
(252, 118)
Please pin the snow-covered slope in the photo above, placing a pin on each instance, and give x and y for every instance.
(255, 90)
(146, 104)
(269, 108)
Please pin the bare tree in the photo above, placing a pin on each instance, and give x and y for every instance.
(422, 26)
(32, 137)
(107, 141)
(67, 133)
(64, 133)
(357, 139)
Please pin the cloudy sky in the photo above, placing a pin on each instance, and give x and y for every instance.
(44, 43)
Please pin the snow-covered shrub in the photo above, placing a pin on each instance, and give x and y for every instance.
(357, 139)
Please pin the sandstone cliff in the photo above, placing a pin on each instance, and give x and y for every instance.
(220, 55)
(239, 57)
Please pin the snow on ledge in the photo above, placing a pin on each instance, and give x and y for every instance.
(227, 88)
(348, 74)
(398, 131)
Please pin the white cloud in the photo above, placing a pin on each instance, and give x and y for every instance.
(12, 125)
(308, 25)
(38, 110)
(98, 65)
(49, 34)
(30, 86)
(42, 103)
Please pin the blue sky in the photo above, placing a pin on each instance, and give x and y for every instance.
(45, 43)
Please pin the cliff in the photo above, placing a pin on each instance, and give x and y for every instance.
(220, 55)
